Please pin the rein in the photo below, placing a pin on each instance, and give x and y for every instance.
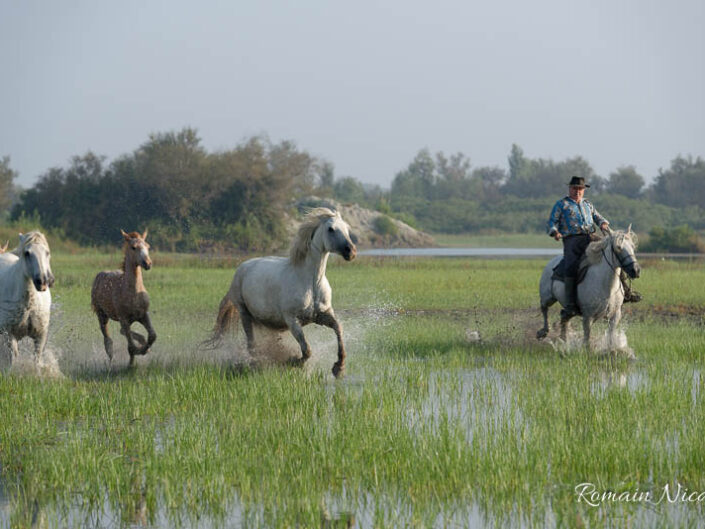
(621, 264)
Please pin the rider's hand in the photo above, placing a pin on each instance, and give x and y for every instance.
(557, 235)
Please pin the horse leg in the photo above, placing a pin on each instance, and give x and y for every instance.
(564, 329)
(613, 322)
(146, 322)
(138, 338)
(587, 324)
(328, 319)
(132, 348)
(298, 332)
(107, 340)
(543, 332)
(8, 346)
(40, 342)
(246, 319)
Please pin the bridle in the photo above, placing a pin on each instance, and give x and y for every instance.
(630, 260)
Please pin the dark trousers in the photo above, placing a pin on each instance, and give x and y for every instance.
(574, 247)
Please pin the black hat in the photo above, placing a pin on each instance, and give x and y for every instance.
(578, 181)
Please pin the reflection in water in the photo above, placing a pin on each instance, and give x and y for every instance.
(471, 399)
(622, 377)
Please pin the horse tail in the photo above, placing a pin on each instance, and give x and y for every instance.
(228, 316)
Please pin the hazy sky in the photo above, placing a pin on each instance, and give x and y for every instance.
(363, 84)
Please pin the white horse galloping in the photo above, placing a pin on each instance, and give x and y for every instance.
(600, 293)
(287, 293)
(25, 299)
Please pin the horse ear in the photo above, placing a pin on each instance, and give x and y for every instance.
(629, 229)
(144, 235)
(22, 237)
(4, 248)
(124, 235)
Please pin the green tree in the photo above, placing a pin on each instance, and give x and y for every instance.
(349, 189)
(7, 175)
(326, 177)
(682, 184)
(626, 181)
(170, 166)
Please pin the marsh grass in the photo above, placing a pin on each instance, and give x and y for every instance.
(426, 429)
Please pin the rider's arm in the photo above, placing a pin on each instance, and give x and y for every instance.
(601, 221)
(554, 220)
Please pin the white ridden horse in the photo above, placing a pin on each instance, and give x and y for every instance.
(600, 293)
(287, 293)
(25, 299)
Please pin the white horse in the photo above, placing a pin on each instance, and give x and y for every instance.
(25, 299)
(600, 293)
(287, 293)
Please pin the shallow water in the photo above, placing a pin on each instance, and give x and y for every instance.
(465, 398)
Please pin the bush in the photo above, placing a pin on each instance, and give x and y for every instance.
(681, 239)
(385, 226)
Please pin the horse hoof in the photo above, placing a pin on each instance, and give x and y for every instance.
(541, 333)
(338, 370)
(296, 362)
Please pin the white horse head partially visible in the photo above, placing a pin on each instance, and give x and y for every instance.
(35, 257)
(623, 245)
(324, 231)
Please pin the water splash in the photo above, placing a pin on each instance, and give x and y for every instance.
(600, 344)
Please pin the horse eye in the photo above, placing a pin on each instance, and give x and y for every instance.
(26, 254)
(330, 229)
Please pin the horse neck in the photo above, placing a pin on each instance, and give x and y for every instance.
(19, 278)
(316, 260)
(608, 268)
(133, 276)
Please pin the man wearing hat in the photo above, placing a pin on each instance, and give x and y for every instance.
(572, 220)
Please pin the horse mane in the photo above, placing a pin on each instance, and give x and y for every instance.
(32, 237)
(131, 235)
(595, 248)
(302, 241)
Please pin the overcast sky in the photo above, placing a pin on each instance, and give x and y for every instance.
(363, 84)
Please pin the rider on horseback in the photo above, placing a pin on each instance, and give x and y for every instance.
(573, 220)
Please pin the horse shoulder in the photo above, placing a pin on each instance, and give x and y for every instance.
(323, 295)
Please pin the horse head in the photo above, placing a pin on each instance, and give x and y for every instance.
(624, 248)
(337, 237)
(325, 231)
(137, 249)
(34, 253)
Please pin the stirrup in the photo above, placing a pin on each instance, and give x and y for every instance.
(632, 296)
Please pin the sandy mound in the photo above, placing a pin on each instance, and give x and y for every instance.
(373, 229)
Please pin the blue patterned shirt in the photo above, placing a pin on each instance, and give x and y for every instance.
(570, 218)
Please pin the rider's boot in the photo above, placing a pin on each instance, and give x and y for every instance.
(630, 296)
(571, 306)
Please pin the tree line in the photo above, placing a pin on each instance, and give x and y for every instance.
(444, 193)
(188, 198)
(241, 198)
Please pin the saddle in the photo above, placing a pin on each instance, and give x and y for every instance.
(559, 270)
